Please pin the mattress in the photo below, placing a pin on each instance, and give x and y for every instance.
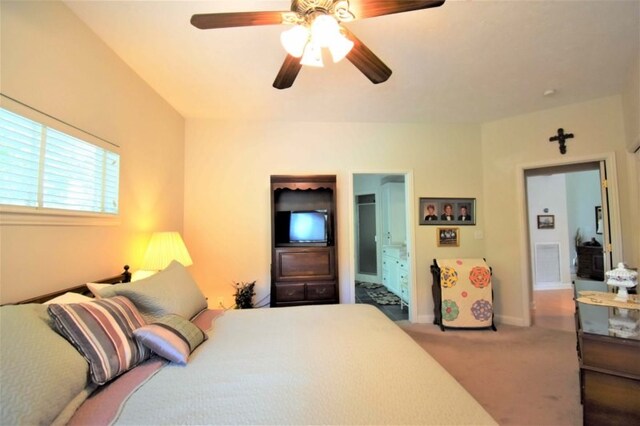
(330, 364)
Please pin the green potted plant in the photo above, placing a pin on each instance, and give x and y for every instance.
(244, 294)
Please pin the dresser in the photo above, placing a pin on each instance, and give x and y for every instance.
(304, 266)
(590, 262)
(609, 357)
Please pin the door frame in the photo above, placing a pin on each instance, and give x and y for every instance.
(615, 229)
(411, 244)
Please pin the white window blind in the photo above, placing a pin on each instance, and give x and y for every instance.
(44, 168)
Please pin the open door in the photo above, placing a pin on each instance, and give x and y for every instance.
(604, 220)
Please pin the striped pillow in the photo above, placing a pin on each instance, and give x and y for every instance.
(172, 337)
(102, 331)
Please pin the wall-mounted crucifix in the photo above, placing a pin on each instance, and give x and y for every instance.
(561, 137)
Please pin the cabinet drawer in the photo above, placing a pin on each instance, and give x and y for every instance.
(618, 356)
(610, 400)
(289, 292)
(297, 264)
(321, 291)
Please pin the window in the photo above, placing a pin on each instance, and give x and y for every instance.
(46, 170)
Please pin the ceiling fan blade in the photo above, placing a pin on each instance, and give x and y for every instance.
(369, 8)
(288, 73)
(366, 61)
(207, 21)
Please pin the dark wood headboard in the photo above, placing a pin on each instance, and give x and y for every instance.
(124, 277)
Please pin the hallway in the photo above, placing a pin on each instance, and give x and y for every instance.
(554, 309)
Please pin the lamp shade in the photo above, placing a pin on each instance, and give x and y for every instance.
(312, 55)
(165, 247)
(294, 40)
(340, 47)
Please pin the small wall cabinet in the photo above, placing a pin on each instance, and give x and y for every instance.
(303, 245)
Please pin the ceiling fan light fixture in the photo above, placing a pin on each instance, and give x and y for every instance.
(324, 30)
(312, 55)
(340, 48)
(295, 39)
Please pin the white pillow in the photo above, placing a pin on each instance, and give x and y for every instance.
(69, 297)
(141, 274)
(96, 288)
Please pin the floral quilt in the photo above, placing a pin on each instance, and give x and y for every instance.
(466, 293)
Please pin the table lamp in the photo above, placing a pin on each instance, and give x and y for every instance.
(165, 247)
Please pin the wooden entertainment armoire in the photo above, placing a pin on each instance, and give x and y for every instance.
(303, 273)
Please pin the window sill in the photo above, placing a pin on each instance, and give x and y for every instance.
(51, 217)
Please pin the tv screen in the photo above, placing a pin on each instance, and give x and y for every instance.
(308, 226)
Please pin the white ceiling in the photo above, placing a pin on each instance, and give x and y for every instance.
(466, 61)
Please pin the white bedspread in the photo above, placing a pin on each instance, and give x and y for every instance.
(332, 364)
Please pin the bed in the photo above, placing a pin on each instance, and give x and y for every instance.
(330, 364)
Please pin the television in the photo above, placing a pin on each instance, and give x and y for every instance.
(304, 227)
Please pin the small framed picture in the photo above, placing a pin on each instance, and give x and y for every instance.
(599, 224)
(546, 221)
(447, 211)
(448, 237)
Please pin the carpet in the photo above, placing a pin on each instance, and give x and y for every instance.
(520, 375)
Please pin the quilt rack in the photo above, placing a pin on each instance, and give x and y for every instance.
(462, 294)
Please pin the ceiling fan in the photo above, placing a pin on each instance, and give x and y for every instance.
(316, 25)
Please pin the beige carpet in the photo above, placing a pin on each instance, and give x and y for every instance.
(520, 375)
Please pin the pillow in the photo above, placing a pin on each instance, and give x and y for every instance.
(172, 337)
(96, 288)
(102, 331)
(69, 297)
(141, 274)
(170, 291)
(41, 373)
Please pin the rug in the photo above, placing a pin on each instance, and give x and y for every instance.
(382, 296)
(379, 293)
(370, 286)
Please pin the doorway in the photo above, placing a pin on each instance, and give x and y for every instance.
(382, 241)
(565, 206)
(366, 232)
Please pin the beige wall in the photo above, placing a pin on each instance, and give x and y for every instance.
(227, 204)
(631, 110)
(510, 145)
(53, 62)
(631, 104)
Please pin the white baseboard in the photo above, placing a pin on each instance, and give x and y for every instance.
(425, 319)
